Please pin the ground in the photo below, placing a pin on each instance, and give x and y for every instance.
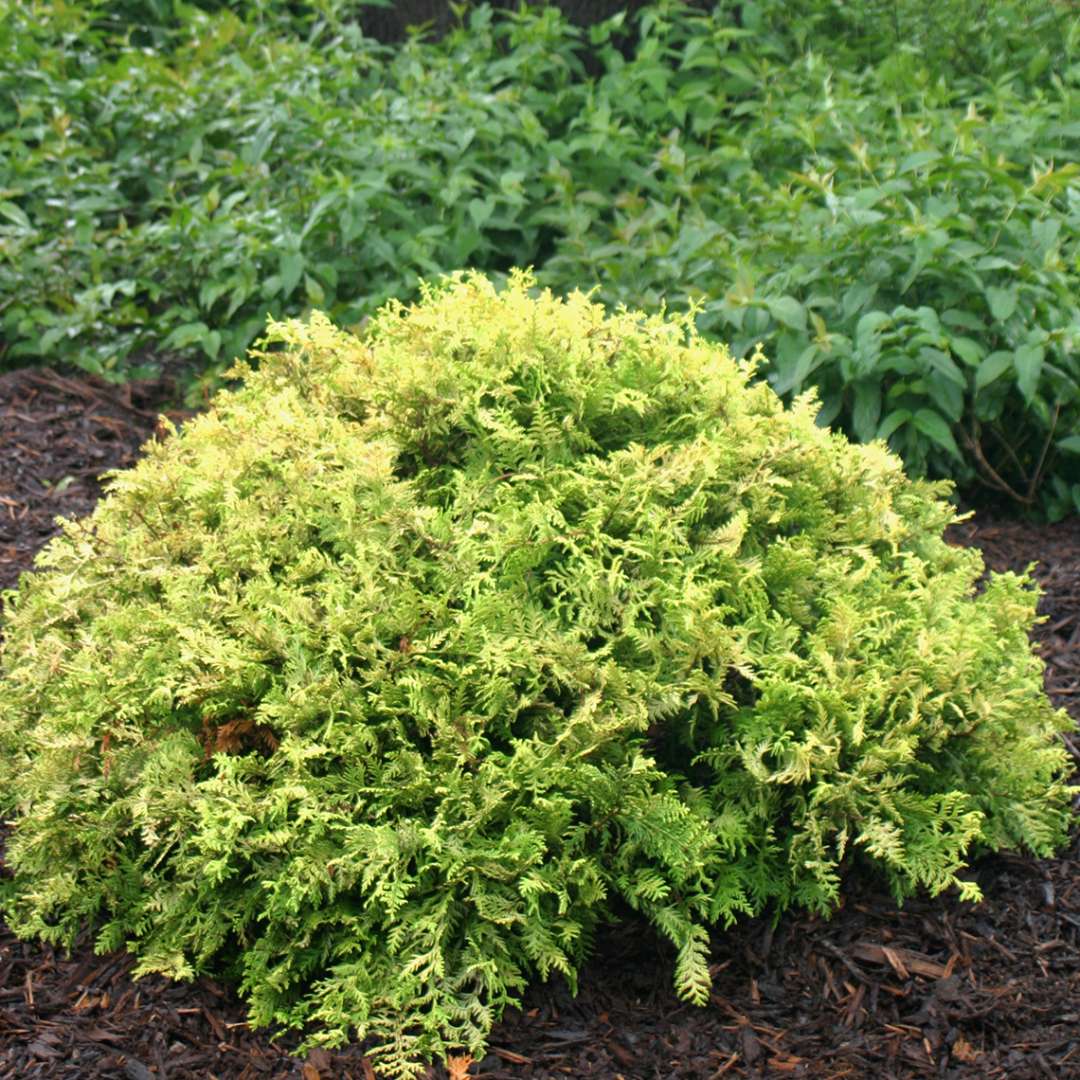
(939, 988)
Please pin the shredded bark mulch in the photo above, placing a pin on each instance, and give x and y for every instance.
(939, 988)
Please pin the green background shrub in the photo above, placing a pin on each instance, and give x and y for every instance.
(383, 683)
(889, 205)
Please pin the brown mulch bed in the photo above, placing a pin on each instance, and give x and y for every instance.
(938, 989)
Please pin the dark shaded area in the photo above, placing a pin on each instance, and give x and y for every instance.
(940, 988)
(391, 23)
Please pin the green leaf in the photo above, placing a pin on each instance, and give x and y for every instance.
(1070, 444)
(804, 364)
(480, 210)
(994, 262)
(944, 364)
(1029, 364)
(209, 291)
(831, 404)
(253, 151)
(1045, 233)
(892, 422)
(16, 215)
(856, 297)
(917, 160)
(290, 269)
(966, 319)
(966, 249)
(867, 409)
(318, 210)
(314, 291)
(993, 367)
(871, 323)
(934, 427)
(968, 349)
(51, 338)
(1002, 302)
(211, 344)
(187, 334)
(789, 312)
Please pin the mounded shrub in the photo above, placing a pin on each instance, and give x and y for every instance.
(384, 682)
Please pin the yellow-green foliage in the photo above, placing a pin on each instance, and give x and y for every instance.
(378, 684)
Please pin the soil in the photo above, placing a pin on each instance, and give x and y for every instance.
(939, 988)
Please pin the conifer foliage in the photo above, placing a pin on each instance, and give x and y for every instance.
(421, 654)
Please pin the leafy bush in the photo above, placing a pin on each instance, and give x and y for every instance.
(379, 686)
(173, 196)
(902, 240)
(897, 226)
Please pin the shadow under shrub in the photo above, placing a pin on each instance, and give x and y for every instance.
(380, 685)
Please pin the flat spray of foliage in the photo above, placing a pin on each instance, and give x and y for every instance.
(385, 682)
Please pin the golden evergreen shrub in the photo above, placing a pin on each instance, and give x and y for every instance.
(382, 683)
